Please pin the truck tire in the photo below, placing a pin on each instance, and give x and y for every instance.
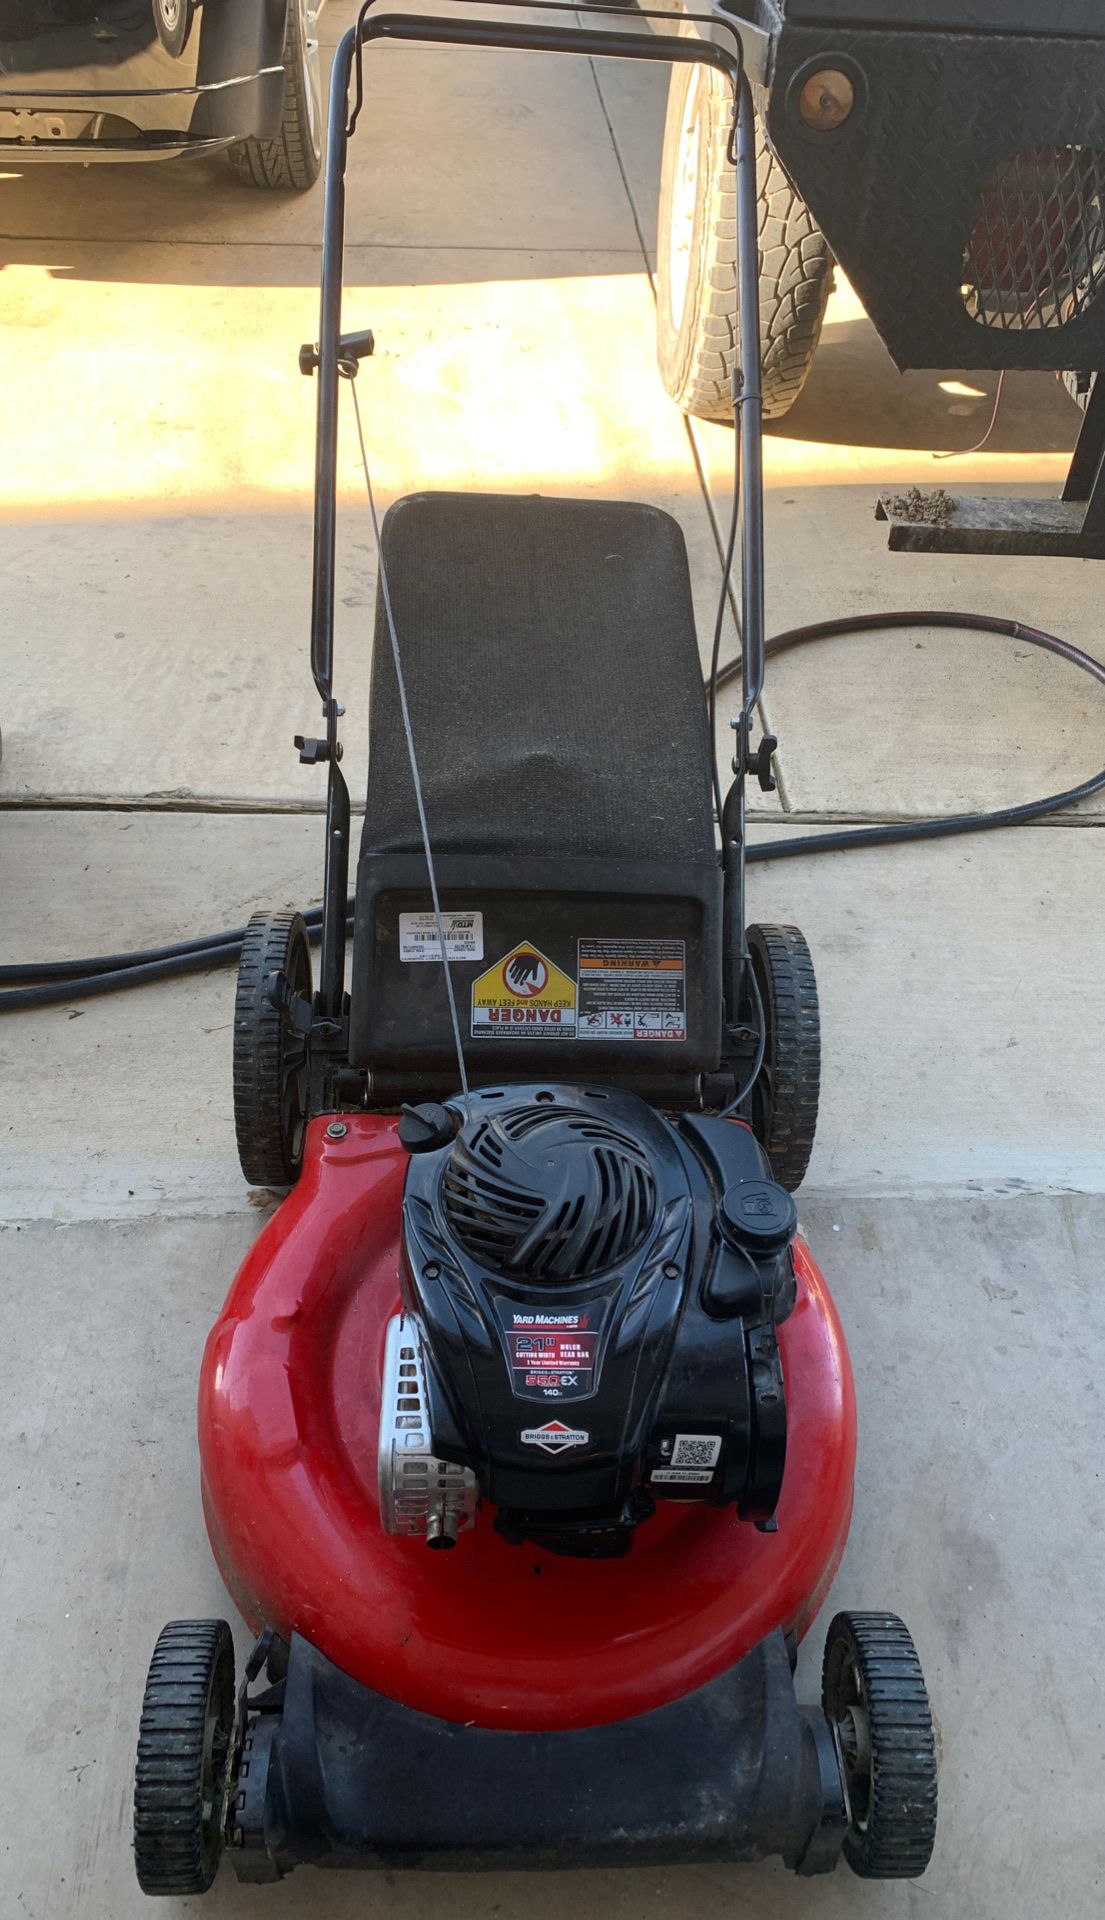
(696, 260)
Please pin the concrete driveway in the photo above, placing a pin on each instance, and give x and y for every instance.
(155, 567)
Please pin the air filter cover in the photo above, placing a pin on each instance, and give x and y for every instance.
(548, 1193)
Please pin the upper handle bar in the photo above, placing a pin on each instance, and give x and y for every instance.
(753, 45)
(532, 36)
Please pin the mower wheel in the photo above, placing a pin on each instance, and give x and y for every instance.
(270, 1055)
(783, 1103)
(874, 1696)
(185, 1756)
(294, 158)
(697, 339)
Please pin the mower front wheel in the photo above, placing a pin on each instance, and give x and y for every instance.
(874, 1696)
(270, 1051)
(783, 1103)
(185, 1758)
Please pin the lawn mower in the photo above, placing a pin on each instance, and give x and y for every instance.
(527, 1430)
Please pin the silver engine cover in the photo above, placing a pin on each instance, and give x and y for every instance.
(420, 1495)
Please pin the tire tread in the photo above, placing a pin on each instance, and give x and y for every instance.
(897, 1840)
(171, 1855)
(796, 278)
(290, 161)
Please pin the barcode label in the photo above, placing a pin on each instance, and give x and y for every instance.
(696, 1450)
(419, 939)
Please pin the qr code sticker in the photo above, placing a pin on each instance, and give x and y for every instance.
(696, 1450)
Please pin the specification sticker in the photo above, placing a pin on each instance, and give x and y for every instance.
(632, 990)
(553, 1355)
(419, 938)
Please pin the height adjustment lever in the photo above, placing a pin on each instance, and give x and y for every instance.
(759, 762)
(750, 760)
(312, 752)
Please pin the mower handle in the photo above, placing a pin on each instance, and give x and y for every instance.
(534, 37)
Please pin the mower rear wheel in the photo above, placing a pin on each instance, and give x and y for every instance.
(782, 1106)
(185, 1756)
(270, 1056)
(874, 1696)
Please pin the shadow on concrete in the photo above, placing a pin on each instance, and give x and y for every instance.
(855, 396)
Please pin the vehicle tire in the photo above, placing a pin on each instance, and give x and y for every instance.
(294, 158)
(874, 1696)
(185, 1757)
(270, 1057)
(173, 20)
(782, 1106)
(697, 334)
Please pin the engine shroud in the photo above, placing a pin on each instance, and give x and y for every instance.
(592, 1295)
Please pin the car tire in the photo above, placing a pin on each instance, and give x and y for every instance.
(173, 20)
(697, 334)
(294, 159)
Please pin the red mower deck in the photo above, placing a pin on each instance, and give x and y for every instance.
(497, 1635)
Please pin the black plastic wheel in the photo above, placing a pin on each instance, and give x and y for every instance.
(173, 20)
(185, 1753)
(294, 158)
(270, 1057)
(874, 1696)
(783, 1103)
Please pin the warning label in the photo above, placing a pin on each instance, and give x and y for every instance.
(632, 990)
(524, 996)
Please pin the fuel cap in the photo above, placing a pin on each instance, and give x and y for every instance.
(758, 1215)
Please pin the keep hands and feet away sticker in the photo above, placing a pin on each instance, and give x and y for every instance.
(524, 996)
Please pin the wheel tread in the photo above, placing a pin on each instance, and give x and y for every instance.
(796, 277)
(897, 1839)
(272, 941)
(173, 1854)
(291, 160)
(788, 986)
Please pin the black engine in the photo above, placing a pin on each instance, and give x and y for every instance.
(591, 1296)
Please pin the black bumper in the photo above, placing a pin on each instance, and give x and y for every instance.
(335, 1775)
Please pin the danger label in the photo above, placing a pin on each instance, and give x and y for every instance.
(524, 996)
(632, 990)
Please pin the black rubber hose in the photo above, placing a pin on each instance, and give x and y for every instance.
(56, 983)
(941, 825)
